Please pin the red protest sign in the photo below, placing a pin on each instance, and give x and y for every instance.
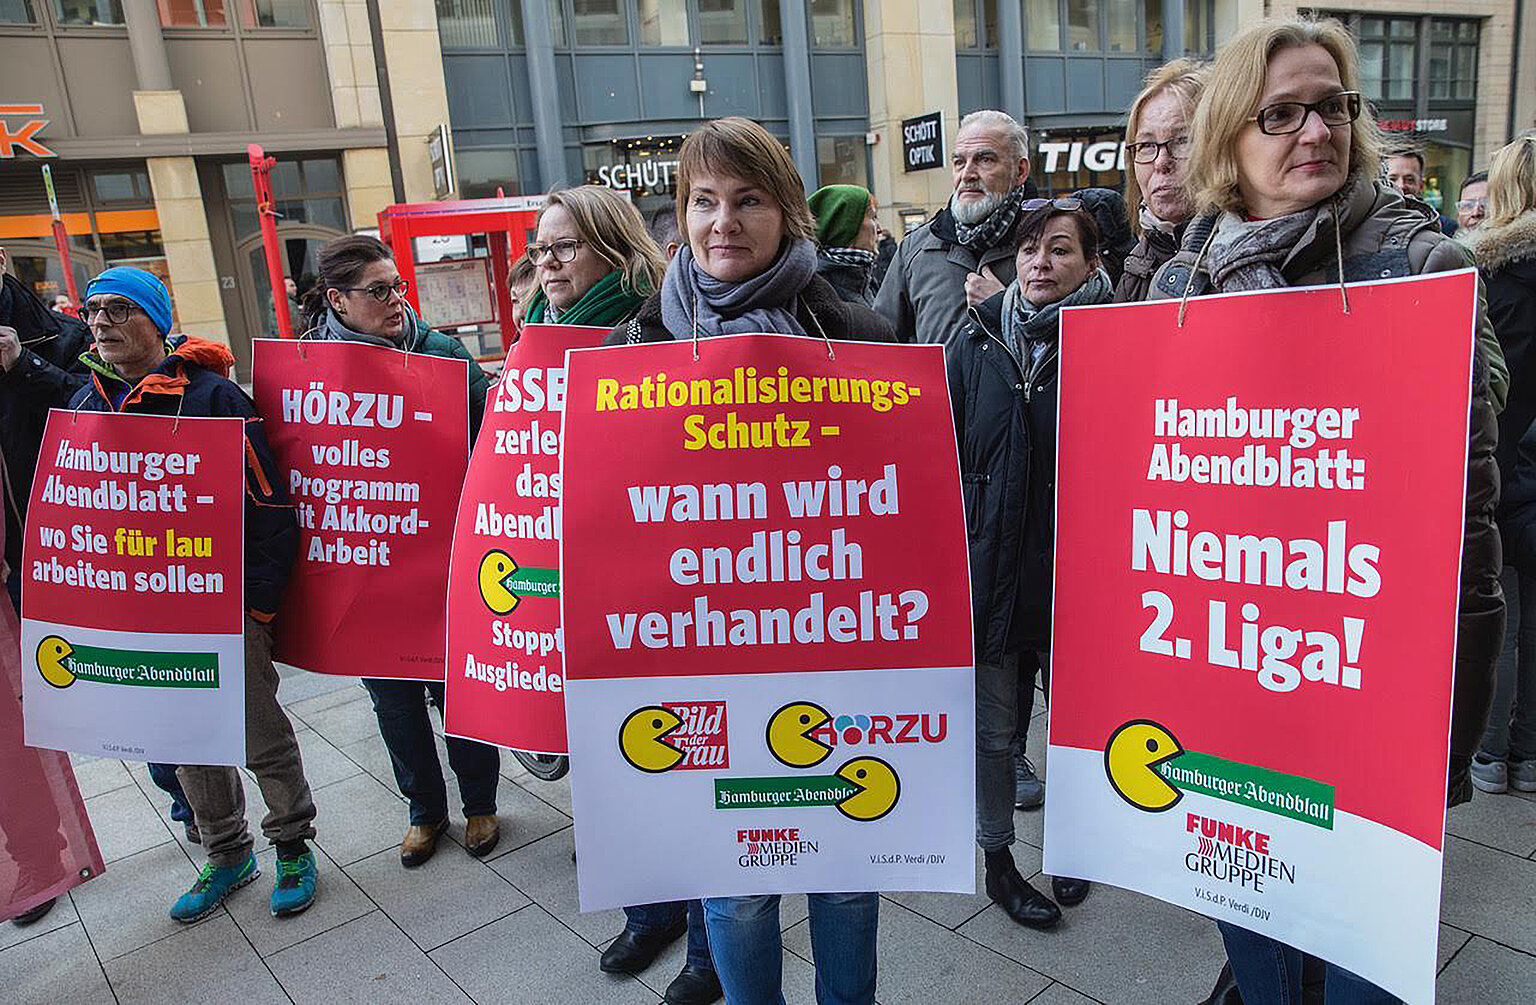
(374, 443)
(1259, 530)
(506, 671)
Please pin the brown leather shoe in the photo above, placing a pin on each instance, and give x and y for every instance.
(481, 834)
(420, 842)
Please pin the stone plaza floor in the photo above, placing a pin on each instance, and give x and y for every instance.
(507, 929)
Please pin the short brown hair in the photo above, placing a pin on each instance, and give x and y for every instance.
(743, 149)
(612, 227)
(1232, 93)
(1032, 226)
(1182, 77)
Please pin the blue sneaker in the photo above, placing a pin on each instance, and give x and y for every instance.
(295, 889)
(213, 884)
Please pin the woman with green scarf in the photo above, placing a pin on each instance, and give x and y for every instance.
(595, 261)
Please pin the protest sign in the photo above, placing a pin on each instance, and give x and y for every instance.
(132, 633)
(506, 671)
(374, 443)
(767, 621)
(1259, 526)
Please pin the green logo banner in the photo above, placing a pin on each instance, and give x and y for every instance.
(1288, 795)
(143, 669)
(793, 790)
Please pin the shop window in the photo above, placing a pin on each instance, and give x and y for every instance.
(467, 24)
(966, 34)
(127, 186)
(191, 13)
(1388, 57)
(131, 245)
(307, 191)
(832, 24)
(277, 13)
(843, 160)
(556, 23)
(17, 12)
(92, 12)
(1453, 60)
(1083, 25)
(724, 22)
(482, 172)
(1197, 26)
(664, 22)
(600, 22)
(1120, 24)
(1042, 20)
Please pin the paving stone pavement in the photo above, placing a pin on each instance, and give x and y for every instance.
(507, 929)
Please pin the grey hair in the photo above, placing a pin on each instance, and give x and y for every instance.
(991, 118)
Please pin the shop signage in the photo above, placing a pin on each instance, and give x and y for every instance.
(648, 174)
(15, 137)
(1107, 155)
(922, 142)
(440, 151)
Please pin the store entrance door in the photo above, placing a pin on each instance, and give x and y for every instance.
(298, 244)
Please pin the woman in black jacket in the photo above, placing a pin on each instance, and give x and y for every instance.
(1002, 378)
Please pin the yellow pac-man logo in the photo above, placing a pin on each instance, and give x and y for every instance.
(878, 788)
(495, 567)
(643, 739)
(51, 654)
(789, 734)
(1131, 758)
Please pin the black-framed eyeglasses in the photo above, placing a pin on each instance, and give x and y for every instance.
(1146, 151)
(117, 311)
(381, 291)
(1066, 204)
(1286, 117)
(564, 250)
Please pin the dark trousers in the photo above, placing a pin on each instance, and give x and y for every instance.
(1032, 665)
(401, 707)
(643, 919)
(164, 776)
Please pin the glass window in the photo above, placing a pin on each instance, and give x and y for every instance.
(122, 186)
(277, 14)
(724, 22)
(1196, 13)
(965, 24)
(17, 12)
(1153, 16)
(600, 22)
(1466, 71)
(832, 24)
(322, 174)
(1121, 17)
(481, 172)
(1401, 60)
(663, 22)
(191, 13)
(1043, 21)
(88, 11)
(843, 160)
(467, 24)
(131, 244)
(1389, 55)
(1373, 61)
(556, 23)
(989, 19)
(1083, 25)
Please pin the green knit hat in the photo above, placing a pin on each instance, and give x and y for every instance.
(839, 212)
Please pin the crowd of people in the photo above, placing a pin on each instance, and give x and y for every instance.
(1262, 169)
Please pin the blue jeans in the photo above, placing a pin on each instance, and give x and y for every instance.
(744, 937)
(1269, 973)
(401, 708)
(164, 777)
(644, 919)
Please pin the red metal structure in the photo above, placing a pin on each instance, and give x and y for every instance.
(505, 221)
(261, 179)
(61, 240)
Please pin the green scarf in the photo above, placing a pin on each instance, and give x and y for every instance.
(605, 305)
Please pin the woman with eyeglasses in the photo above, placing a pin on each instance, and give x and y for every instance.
(594, 259)
(359, 296)
(1159, 205)
(1284, 167)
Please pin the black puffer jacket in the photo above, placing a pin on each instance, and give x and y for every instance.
(1007, 436)
(46, 375)
(851, 282)
(819, 310)
(1151, 251)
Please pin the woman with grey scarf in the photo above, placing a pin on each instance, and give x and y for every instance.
(1002, 378)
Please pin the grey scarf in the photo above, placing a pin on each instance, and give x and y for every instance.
(1151, 221)
(333, 329)
(693, 301)
(1249, 254)
(988, 233)
(1030, 331)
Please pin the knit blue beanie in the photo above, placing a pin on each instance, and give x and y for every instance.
(143, 288)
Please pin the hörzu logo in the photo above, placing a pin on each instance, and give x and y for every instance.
(1234, 854)
(773, 846)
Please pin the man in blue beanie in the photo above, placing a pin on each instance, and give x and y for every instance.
(135, 367)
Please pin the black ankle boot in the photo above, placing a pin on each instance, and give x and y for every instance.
(1023, 903)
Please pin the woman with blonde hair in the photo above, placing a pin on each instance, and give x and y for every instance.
(1157, 130)
(1284, 167)
(1505, 249)
(594, 258)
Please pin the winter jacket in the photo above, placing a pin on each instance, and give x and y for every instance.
(1383, 236)
(850, 282)
(1141, 264)
(1506, 259)
(46, 375)
(923, 294)
(1107, 207)
(819, 310)
(194, 380)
